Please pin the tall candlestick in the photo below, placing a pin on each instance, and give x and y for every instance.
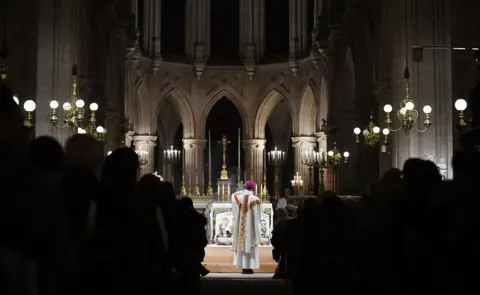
(239, 157)
(209, 150)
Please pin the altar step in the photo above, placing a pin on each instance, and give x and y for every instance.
(219, 259)
(236, 284)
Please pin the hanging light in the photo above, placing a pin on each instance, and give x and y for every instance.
(371, 134)
(407, 115)
(461, 106)
(74, 111)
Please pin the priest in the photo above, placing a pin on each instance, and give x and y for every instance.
(246, 209)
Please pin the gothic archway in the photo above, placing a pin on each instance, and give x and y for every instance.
(231, 95)
(267, 106)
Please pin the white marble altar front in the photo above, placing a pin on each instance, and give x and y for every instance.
(220, 222)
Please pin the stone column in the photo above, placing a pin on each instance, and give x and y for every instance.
(193, 159)
(145, 145)
(55, 57)
(429, 23)
(254, 154)
(302, 144)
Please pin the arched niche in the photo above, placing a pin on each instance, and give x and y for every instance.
(270, 101)
(213, 98)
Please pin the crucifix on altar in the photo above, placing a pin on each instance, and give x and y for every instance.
(224, 142)
(223, 184)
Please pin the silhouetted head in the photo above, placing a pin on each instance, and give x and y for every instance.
(250, 185)
(45, 154)
(291, 210)
(421, 176)
(149, 189)
(168, 194)
(188, 202)
(120, 169)
(281, 213)
(82, 151)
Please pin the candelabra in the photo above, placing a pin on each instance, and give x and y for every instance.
(461, 106)
(142, 157)
(74, 114)
(297, 183)
(276, 158)
(210, 188)
(331, 159)
(183, 190)
(196, 189)
(171, 156)
(309, 158)
(371, 134)
(407, 114)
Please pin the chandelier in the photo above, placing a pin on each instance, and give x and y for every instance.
(74, 114)
(297, 183)
(276, 158)
(371, 134)
(407, 115)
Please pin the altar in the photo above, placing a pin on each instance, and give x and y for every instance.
(218, 253)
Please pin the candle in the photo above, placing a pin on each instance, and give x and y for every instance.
(209, 150)
(239, 157)
(218, 190)
(228, 190)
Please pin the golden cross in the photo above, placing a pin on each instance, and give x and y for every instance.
(224, 142)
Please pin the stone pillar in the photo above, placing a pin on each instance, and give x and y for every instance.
(145, 145)
(193, 158)
(55, 57)
(254, 159)
(302, 144)
(429, 22)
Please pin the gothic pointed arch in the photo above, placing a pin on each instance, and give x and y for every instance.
(213, 98)
(179, 100)
(307, 114)
(269, 102)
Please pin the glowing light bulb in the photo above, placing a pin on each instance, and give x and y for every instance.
(54, 104)
(16, 100)
(376, 129)
(80, 103)
(346, 154)
(357, 130)
(67, 106)
(386, 131)
(387, 108)
(409, 106)
(427, 109)
(460, 104)
(29, 106)
(93, 106)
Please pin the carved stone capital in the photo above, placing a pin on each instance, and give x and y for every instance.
(258, 144)
(321, 136)
(304, 142)
(193, 143)
(149, 140)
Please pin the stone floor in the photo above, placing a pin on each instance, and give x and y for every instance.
(236, 284)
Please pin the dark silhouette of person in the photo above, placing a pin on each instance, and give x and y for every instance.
(202, 220)
(279, 243)
(148, 238)
(80, 186)
(55, 260)
(17, 267)
(108, 246)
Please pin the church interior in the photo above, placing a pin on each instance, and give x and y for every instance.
(300, 96)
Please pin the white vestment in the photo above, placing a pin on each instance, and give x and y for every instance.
(247, 212)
